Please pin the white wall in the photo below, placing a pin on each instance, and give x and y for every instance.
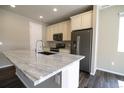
(14, 30)
(108, 40)
(95, 39)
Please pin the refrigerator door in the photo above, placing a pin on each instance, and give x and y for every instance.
(78, 45)
(73, 42)
(85, 48)
(82, 45)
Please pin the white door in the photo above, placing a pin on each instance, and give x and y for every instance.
(35, 34)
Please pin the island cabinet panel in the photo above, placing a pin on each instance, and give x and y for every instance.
(81, 21)
(7, 72)
(70, 76)
(49, 83)
(63, 65)
(62, 27)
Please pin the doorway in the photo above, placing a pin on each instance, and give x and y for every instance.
(35, 34)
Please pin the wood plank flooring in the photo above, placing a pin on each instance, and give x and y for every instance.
(100, 80)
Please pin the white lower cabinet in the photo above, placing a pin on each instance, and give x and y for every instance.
(68, 77)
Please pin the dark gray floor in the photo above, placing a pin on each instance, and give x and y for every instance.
(100, 80)
(13, 82)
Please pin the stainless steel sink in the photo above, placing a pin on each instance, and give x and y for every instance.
(46, 53)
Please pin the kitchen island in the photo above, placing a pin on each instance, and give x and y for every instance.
(33, 69)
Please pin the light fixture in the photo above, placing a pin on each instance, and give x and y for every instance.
(41, 17)
(55, 9)
(1, 43)
(113, 63)
(13, 6)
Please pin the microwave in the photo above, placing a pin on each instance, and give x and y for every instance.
(58, 37)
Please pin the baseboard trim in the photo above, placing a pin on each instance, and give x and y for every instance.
(93, 73)
(113, 72)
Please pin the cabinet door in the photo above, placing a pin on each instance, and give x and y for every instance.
(60, 27)
(54, 29)
(66, 30)
(64, 26)
(87, 20)
(48, 33)
(51, 30)
(76, 22)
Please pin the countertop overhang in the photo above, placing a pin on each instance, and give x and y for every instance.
(39, 67)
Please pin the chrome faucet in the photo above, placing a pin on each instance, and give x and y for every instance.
(36, 48)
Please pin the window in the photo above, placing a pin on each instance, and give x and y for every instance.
(121, 34)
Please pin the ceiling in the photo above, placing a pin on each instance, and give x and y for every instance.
(50, 17)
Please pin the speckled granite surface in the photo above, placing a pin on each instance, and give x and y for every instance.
(38, 66)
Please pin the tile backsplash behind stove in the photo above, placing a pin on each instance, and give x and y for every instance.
(53, 44)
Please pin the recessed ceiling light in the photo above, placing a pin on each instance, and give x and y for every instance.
(55, 9)
(1, 43)
(41, 17)
(13, 6)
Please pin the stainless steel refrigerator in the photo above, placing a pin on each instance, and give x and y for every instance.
(81, 44)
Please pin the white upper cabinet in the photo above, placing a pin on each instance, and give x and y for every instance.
(87, 20)
(66, 31)
(76, 22)
(54, 29)
(62, 27)
(81, 21)
(49, 34)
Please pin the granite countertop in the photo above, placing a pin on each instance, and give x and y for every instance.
(39, 66)
(4, 62)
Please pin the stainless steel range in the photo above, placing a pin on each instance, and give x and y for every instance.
(58, 46)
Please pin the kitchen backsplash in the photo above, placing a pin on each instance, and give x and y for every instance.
(53, 44)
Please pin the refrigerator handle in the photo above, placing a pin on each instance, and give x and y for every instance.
(78, 45)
